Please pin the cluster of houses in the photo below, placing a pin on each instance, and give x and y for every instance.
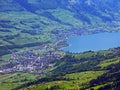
(30, 61)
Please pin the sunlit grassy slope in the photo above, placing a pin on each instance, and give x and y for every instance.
(73, 81)
(13, 80)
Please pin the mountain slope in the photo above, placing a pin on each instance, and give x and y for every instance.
(89, 70)
(41, 17)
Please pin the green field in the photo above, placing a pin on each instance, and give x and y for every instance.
(13, 80)
(73, 81)
(106, 63)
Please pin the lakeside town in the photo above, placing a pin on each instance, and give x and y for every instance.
(35, 62)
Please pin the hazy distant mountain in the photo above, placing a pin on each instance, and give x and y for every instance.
(103, 9)
(84, 9)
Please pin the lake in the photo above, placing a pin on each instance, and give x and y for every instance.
(94, 42)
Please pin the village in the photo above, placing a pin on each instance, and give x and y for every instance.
(30, 61)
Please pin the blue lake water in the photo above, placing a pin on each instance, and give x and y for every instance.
(94, 42)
